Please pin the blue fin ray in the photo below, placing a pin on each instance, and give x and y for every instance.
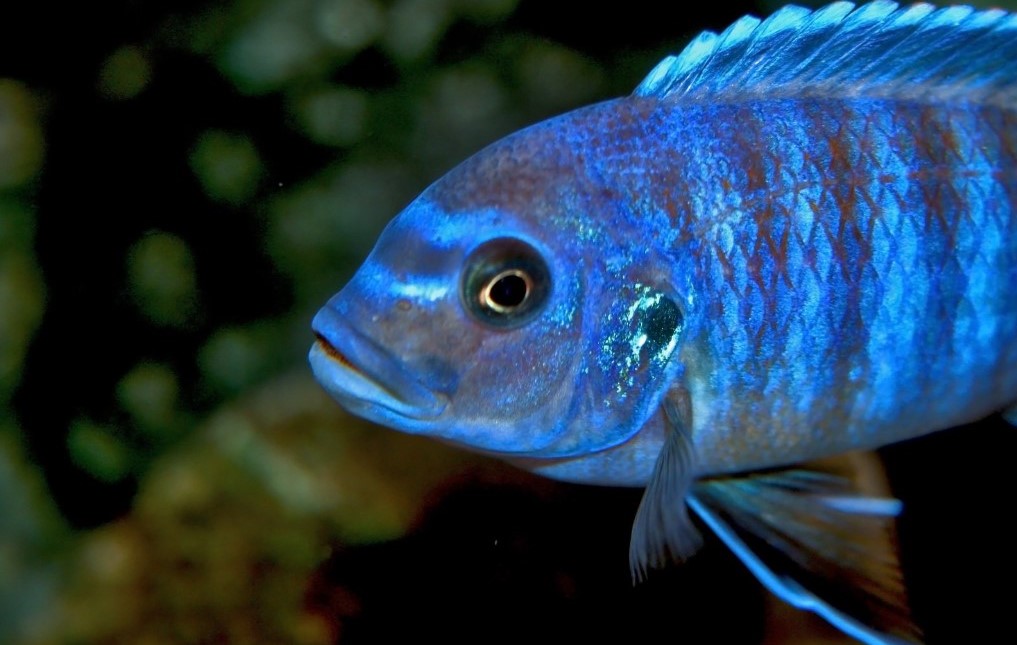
(819, 540)
(877, 50)
(662, 530)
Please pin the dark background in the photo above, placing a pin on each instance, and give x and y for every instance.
(184, 184)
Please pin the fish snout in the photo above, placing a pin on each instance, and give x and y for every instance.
(365, 377)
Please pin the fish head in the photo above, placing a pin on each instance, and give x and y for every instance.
(484, 316)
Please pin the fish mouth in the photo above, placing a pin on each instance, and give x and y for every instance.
(365, 378)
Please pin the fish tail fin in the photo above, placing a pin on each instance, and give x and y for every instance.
(820, 539)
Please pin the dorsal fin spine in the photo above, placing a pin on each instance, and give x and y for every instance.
(877, 50)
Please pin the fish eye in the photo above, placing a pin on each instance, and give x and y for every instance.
(505, 283)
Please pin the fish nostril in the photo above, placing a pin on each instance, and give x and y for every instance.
(403, 305)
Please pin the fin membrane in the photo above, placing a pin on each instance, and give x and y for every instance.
(662, 531)
(817, 540)
(877, 50)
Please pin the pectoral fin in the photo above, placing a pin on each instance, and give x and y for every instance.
(818, 540)
(662, 531)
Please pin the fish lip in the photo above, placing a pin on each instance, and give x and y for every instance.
(360, 374)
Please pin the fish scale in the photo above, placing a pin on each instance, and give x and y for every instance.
(862, 233)
(797, 238)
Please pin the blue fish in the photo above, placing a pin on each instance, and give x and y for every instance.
(796, 239)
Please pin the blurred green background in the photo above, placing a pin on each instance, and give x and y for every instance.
(181, 186)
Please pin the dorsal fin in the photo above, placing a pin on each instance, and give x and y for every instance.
(877, 50)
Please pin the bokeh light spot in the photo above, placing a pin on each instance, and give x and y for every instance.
(465, 109)
(21, 303)
(279, 44)
(233, 359)
(162, 280)
(555, 78)
(415, 26)
(349, 25)
(334, 116)
(96, 449)
(21, 140)
(331, 220)
(227, 165)
(486, 11)
(149, 394)
(124, 74)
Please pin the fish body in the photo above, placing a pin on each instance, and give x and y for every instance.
(795, 239)
(847, 268)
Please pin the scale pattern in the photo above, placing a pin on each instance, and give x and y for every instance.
(856, 265)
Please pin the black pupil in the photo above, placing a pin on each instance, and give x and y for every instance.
(508, 291)
(505, 283)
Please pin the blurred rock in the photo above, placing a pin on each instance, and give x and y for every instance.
(229, 526)
(31, 536)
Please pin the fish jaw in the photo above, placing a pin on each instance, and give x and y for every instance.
(367, 380)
